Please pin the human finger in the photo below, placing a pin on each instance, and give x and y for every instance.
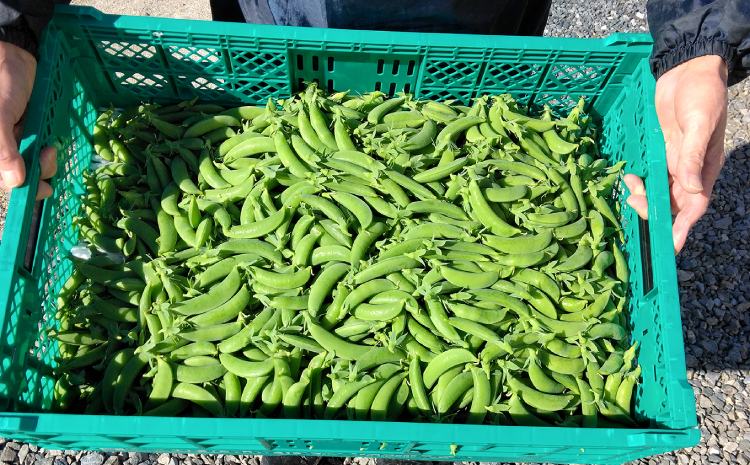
(637, 198)
(12, 169)
(43, 191)
(686, 218)
(48, 162)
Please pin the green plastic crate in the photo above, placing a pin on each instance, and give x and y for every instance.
(89, 60)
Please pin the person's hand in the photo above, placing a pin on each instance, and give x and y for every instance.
(17, 70)
(691, 103)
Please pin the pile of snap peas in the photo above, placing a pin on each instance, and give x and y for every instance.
(360, 257)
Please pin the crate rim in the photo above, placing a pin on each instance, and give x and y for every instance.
(90, 16)
(640, 45)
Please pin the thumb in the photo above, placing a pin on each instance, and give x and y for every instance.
(690, 163)
(12, 168)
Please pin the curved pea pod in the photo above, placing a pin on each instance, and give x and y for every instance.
(603, 260)
(355, 205)
(537, 399)
(503, 299)
(562, 348)
(182, 177)
(621, 265)
(476, 330)
(469, 280)
(596, 308)
(454, 390)
(216, 296)
(603, 207)
(378, 312)
(244, 368)
(199, 396)
(226, 311)
(441, 171)
(376, 114)
(477, 314)
(425, 337)
(380, 404)
(566, 366)
(364, 240)
(486, 215)
(539, 280)
(259, 228)
(521, 415)
(578, 260)
(287, 156)
(437, 206)
(550, 220)
(557, 144)
(323, 284)
(281, 280)
(444, 362)
(423, 138)
(333, 343)
(455, 128)
(523, 260)
(571, 230)
(540, 380)
(613, 363)
(385, 267)
(377, 357)
(435, 231)
(505, 194)
(410, 184)
(327, 207)
(623, 398)
(606, 330)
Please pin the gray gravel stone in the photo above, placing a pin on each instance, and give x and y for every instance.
(112, 460)
(23, 453)
(40, 460)
(92, 459)
(9, 454)
(723, 223)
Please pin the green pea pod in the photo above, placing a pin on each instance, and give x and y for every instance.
(520, 414)
(216, 296)
(281, 280)
(537, 399)
(486, 215)
(199, 396)
(259, 228)
(423, 138)
(384, 267)
(469, 280)
(453, 391)
(182, 177)
(410, 185)
(333, 343)
(376, 114)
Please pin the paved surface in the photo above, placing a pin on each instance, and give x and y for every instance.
(712, 269)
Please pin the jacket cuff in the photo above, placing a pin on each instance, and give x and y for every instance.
(683, 53)
(18, 33)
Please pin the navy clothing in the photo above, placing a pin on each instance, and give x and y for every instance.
(495, 17)
(682, 29)
(685, 29)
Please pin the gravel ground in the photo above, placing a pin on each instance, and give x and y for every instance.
(712, 271)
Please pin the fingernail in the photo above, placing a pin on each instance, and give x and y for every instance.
(694, 181)
(11, 178)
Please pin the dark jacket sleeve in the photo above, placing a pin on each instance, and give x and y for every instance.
(22, 21)
(686, 29)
